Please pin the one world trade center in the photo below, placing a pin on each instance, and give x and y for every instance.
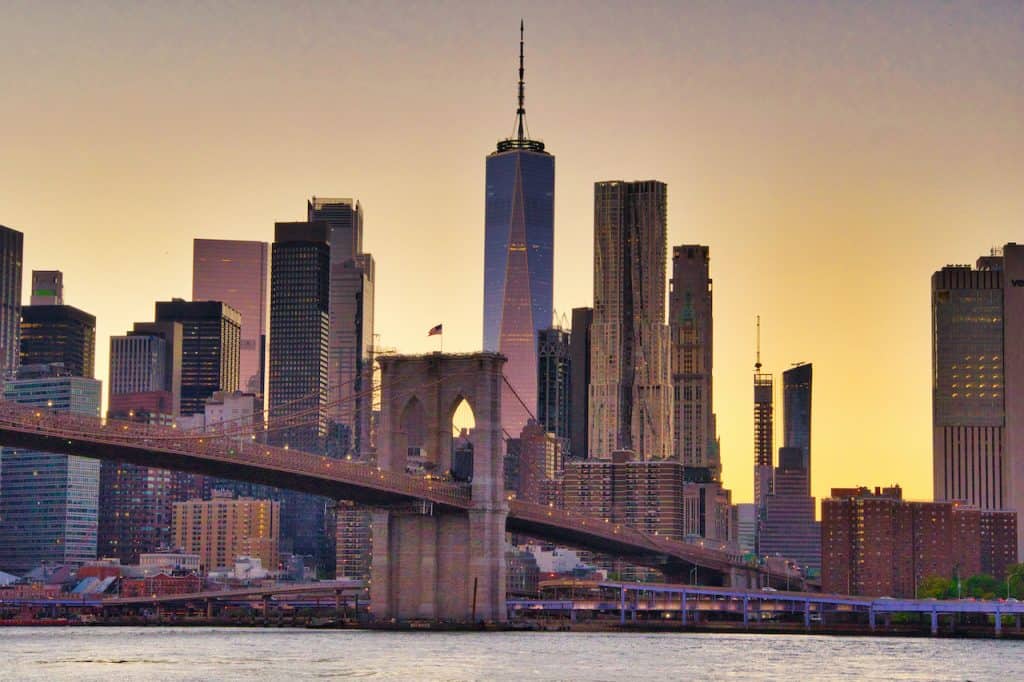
(518, 260)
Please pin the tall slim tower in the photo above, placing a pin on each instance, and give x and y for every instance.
(690, 321)
(630, 383)
(763, 429)
(554, 380)
(518, 257)
(11, 244)
(579, 367)
(350, 337)
(796, 403)
(235, 272)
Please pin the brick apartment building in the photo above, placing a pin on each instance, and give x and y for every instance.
(877, 544)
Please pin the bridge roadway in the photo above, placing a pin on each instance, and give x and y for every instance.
(243, 459)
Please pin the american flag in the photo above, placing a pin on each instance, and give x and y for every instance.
(435, 330)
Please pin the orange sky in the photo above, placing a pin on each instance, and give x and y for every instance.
(833, 155)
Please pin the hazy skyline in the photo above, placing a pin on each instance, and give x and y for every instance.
(832, 155)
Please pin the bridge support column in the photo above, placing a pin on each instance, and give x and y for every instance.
(622, 604)
(682, 608)
(432, 561)
(999, 623)
(807, 615)
(745, 610)
(209, 608)
(871, 617)
(935, 622)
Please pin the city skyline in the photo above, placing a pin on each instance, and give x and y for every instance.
(941, 215)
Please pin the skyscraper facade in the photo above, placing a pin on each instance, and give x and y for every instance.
(695, 442)
(579, 373)
(350, 335)
(59, 333)
(49, 502)
(211, 342)
(11, 244)
(630, 383)
(235, 272)
(299, 330)
(47, 287)
(298, 378)
(554, 382)
(796, 411)
(518, 259)
(978, 382)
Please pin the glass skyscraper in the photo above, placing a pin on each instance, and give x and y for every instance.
(350, 336)
(11, 243)
(235, 272)
(796, 404)
(211, 338)
(518, 258)
(49, 502)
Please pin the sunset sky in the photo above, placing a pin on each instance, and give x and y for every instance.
(832, 154)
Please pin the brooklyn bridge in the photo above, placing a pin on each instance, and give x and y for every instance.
(438, 544)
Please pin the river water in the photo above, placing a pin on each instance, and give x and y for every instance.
(153, 653)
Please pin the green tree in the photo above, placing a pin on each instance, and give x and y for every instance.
(981, 586)
(936, 587)
(1015, 582)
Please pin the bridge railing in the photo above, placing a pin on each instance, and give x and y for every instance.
(224, 448)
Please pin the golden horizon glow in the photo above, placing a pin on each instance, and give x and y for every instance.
(832, 155)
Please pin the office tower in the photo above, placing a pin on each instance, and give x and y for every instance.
(796, 412)
(630, 383)
(223, 528)
(211, 342)
(145, 369)
(350, 330)
(695, 442)
(978, 382)
(235, 272)
(299, 332)
(788, 527)
(10, 300)
(145, 386)
(59, 333)
(49, 502)
(876, 544)
(518, 259)
(579, 380)
(554, 382)
(47, 287)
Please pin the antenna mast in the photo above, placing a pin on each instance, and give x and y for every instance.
(757, 365)
(521, 111)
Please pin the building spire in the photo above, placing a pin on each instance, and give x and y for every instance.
(520, 138)
(521, 111)
(757, 365)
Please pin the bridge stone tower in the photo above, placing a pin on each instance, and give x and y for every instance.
(436, 562)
